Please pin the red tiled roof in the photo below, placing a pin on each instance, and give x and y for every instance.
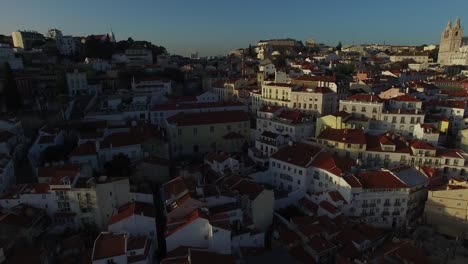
(352, 136)
(319, 244)
(419, 144)
(299, 154)
(109, 245)
(85, 149)
(249, 188)
(451, 153)
(323, 90)
(311, 230)
(270, 109)
(352, 181)
(375, 142)
(135, 208)
(429, 128)
(333, 163)
(218, 157)
(175, 225)
(365, 98)
(293, 115)
(342, 114)
(315, 78)
(201, 105)
(405, 98)
(205, 118)
(119, 139)
(174, 187)
(336, 196)
(56, 173)
(329, 207)
(452, 104)
(308, 204)
(379, 179)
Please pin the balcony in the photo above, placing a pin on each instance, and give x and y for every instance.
(372, 205)
(385, 213)
(363, 214)
(397, 204)
(386, 204)
(365, 205)
(371, 214)
(396, 213)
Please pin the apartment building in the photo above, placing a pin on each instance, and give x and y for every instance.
(192, 134)
(25, 39)
(446, 208)
(71, 199)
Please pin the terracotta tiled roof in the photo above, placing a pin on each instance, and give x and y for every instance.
(452, 104)
(353, 136)
(308, 204)
(294, 116)
(315, 78)
(342, 114)
(119, 139)
(85, 149)
(365, 98)
(379, 179)
(320, 245)
(174, 188)
(405, 98)
(134, 208)
(58, 172)
(329, 207)
(201, 105)
(218, 157)
(109, 245)
(299, 154)
(205, 118)
(419, 144)
(333, 163)
(375, 142)
(249, 188)
(270, 109)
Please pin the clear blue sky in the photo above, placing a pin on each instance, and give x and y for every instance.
(214, 27)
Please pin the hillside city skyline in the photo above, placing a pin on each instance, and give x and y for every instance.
(211, 33)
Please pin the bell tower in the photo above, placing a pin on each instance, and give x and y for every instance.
(450, 41)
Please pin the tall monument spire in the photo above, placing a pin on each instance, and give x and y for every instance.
(457, 23)
(449, 25)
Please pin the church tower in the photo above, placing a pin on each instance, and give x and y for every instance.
(450, 41)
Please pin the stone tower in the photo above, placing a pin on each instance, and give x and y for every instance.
(450, 41)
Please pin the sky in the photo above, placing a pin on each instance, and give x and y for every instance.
(214, 27)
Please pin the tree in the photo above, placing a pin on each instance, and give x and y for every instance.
(434, 54)
(339, 46)
(119, 166)
(13, 99)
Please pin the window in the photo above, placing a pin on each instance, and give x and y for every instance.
(195, 131)
(228, 127)
(179, 132)
(195, 148)
(212, 129)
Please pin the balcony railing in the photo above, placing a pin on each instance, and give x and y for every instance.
(385, 213)
(396, 213)
(386, 204)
